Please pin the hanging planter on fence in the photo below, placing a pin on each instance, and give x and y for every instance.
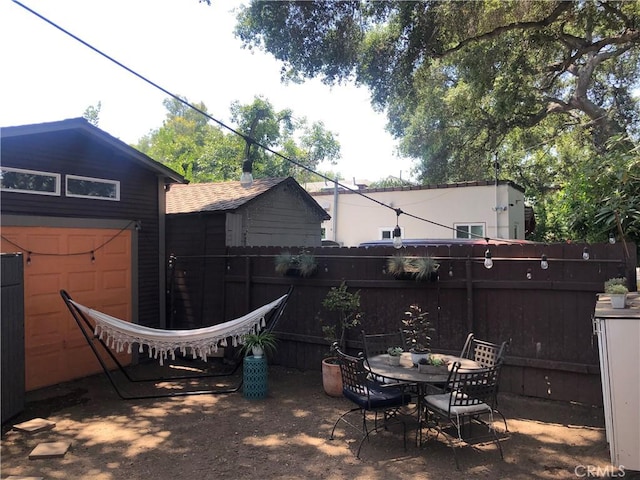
(413, 268)
(302, 265)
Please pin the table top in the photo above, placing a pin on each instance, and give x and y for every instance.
(406, 372)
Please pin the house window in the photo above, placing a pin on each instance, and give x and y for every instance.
(29, 181)
(469, 230)
(96, 188)
(386, 233)
(323, 233)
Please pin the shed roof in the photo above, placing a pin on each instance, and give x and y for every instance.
(228, 196)
(80, 126)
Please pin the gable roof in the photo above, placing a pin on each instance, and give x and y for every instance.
(80, 126)
(229, 196)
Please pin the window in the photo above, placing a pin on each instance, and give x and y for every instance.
(96, 188)
(469, 230)
(29, 181)
(386, 233)
(323, 233)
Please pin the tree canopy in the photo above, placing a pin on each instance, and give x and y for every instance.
(188, 143)
(543, 88)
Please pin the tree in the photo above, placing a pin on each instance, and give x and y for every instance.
(92, 114)
(201, 152)
(466, 84)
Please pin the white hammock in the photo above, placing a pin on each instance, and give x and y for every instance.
(202, 342)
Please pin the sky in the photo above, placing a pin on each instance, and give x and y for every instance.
(184, 46)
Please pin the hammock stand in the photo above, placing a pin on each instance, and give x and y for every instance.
(94, 340)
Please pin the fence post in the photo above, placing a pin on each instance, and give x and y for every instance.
(469, 282)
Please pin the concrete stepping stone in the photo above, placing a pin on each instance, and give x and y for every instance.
(35, 425)
(50, 450)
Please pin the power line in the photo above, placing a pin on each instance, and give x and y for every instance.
(247, 138)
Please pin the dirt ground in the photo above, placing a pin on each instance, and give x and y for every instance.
(285, 436)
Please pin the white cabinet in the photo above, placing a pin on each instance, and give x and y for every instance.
(618, 333)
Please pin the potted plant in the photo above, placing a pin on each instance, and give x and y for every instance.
(259, 343)
(431, 365)
(617, 290)
(417, 330)
(303, 264)
(346, 306)
(394, 355)
(418, 268)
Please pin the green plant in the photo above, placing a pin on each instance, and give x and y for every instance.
(266, 340)
(395, 351)
(419, 268)
(436, 362)
(417, 329)
(616, 285)
(304, 263)
(347, 307)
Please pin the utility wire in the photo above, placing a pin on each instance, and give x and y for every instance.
(247, 138)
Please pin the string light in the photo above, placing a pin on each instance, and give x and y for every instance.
(28, 258)
(488, 261)
(93, 257)
(612, 238)
(544, 264)
(246, 179)
(585, 253)
(529, 274)
(397, 233)
(451, 271)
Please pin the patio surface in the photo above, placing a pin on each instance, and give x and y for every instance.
(285, 436)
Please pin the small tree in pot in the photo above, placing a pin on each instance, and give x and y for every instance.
(417, 330)
(346, 306)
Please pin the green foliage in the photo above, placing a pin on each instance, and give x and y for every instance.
(395, 351)
(304, 262)
(264, 339)
(200, 152)
(417, 329)
(539, 86)
(346, 305)
(616, 285)
(419, 268)
(92, 114)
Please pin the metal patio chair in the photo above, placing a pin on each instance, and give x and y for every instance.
(370, 397)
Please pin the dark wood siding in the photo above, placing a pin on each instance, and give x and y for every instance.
(70, 152)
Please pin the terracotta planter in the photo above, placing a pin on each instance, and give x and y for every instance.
(331, 377)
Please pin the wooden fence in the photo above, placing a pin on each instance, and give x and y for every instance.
(544, 314)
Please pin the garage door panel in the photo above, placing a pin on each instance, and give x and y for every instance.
(54, 346)
(82, 281)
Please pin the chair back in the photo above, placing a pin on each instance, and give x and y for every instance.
(473, 387)
(353, 372)
(485, 354)
(378, 343)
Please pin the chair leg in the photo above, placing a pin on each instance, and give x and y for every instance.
(341, 417)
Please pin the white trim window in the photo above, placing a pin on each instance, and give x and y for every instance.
(20, 180)
(94, 188)
(469, 230)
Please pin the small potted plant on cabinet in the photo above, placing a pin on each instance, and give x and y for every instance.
(417, 330)
(346, 306)
(259, 344)
(394, 355)
(617, 290)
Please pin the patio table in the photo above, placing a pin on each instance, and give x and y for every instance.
(426, 383)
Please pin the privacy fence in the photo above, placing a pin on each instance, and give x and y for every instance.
(545, 314)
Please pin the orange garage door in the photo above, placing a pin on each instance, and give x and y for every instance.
(62, 258)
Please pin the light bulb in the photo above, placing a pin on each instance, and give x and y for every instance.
(544, 264)
(585, 253)
(246, 179)
(397, 238)
(529, 274)
(488, 262)
(612, 239)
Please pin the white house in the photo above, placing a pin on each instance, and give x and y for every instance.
(457, 210)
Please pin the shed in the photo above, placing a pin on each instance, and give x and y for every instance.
(87, 211)
(203, 219)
